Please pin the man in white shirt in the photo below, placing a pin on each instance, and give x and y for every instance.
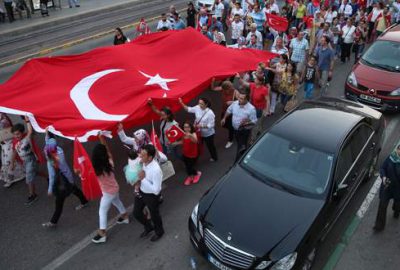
(237, 28)
(150, 187)
(274, 6)
(218, 8)
(346, 9)
(396, 11)
(254, 31)
(163, 24)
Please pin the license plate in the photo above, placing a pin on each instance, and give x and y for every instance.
(369, 98)
(217, 264)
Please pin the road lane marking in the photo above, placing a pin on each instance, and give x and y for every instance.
(78, 247)
(74, 42)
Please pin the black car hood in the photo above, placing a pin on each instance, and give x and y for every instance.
(262, 220)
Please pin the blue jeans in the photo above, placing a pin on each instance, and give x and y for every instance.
(73, 3)
(171, 150)
(308, 90)
(285, 99)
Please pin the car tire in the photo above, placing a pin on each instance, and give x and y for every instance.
(372, 168)
(309, 260)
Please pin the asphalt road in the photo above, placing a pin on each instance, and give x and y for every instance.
(26, 245)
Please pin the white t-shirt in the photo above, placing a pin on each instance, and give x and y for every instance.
(375, 13)
(348, 33)
(237, 29)
(219, 10)
(237, 11)
(204, 118)
(161, 24)
(329, 16)
(258, 35)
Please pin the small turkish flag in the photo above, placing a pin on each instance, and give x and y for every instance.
(316, 3)
(278, 23)
(83, 166)
(308, 20)
(154, 139)
(174, 133)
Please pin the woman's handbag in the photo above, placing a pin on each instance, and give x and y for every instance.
(167, 169)
(291, 104)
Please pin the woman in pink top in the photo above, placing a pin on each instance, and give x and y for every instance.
(104, 168)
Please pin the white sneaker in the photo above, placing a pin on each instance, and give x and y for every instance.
(7, 184)
(99, 239)
(228, 145)
(81, 206)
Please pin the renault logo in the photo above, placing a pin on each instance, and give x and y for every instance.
(372, 91)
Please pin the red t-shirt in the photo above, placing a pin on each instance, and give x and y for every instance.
(189, 148)
(257, 96)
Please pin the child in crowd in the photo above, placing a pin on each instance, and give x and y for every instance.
(133, 168)
(190, 153)
(309, 75)
(23, 153)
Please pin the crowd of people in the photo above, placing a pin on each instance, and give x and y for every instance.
(317, 35)
(25, 6)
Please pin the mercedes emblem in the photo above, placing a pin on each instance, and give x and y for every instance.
(372, 91)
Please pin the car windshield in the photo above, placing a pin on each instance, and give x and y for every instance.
(294, 167)
(383, 54)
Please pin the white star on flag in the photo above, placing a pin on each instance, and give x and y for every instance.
(157, 79)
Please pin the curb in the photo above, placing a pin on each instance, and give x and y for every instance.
(72, 43)
(352, 227)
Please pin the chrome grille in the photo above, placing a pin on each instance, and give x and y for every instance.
(226, 253)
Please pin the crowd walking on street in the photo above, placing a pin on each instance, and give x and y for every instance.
(319, 35)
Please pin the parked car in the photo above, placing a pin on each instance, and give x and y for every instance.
(275, 205)
(207, 4)
(375, 79)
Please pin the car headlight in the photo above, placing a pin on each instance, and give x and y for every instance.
(193, 216)
(351, 79)
(201, 230)
(395, 92)
(286, 263)
(263, 265)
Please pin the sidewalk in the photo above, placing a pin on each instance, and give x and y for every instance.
(58, 15)
(373, 251)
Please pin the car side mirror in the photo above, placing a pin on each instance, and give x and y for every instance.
(340, 190)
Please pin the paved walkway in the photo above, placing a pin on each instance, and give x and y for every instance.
(57, 14)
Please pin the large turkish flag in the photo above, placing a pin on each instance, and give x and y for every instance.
(78, 95)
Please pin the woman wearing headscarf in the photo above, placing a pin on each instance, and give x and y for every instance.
(8, 175)
(61, 180)
(140, 138)
(390, 188)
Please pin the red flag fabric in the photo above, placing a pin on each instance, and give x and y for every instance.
(155, 140)
(174, 133)
(277, 22)
(83, 167)
(308, 20)
(80, 95)
(316, 3)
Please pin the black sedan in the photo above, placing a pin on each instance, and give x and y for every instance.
(271, 210)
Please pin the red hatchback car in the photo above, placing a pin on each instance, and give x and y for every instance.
(375, 79)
